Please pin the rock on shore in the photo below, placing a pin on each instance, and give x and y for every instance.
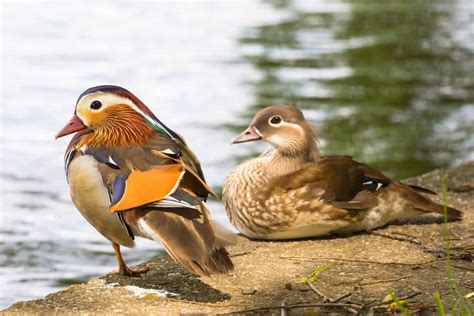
(407, 258)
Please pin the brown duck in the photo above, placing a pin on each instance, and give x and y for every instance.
(293, 192)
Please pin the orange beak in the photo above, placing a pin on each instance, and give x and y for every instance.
(74, 125)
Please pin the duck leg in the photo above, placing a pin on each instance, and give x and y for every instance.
(123, 269)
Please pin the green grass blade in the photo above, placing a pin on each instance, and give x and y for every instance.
(439, 304)
(459, 304)
(451, 282)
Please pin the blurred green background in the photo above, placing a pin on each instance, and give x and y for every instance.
(389, 82)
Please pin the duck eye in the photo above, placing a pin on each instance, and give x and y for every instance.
(95, 105)
(275, 120)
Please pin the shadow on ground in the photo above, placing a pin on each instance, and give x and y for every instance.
(166, 275)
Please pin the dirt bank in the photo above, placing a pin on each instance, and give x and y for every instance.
(408, 259)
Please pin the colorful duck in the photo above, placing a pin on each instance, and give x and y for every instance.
(293, 192)
(130, 175)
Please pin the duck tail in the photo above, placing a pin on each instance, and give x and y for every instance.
(192, 243)
(424, 204)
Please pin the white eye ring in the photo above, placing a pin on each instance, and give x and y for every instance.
(275, 120)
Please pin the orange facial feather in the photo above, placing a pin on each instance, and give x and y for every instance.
(117, 125)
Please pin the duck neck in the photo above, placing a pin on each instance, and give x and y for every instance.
(284, 162)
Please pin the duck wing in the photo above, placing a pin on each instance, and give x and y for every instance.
(347, 184)
(338, 180)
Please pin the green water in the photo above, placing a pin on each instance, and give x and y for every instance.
(389, 82)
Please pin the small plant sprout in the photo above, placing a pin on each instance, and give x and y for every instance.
(395, 303)
(313, 276)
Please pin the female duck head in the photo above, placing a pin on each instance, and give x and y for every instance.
(285, 128)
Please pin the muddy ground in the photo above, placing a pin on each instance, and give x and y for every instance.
(405, 257)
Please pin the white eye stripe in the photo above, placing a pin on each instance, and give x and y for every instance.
(287, 124)
(105, 99)
(84, 104)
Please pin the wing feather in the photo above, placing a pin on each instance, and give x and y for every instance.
(144, 187)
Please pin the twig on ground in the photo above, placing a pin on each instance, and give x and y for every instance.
(325, 297)
(386, 280)
(355, 260)
(216, 304)
(238, 254)
(332, 300)
(409, 239)
(413, 241)
(337, 299)
(463, 268)
(353, 308)
(404, 234)
(315, 290)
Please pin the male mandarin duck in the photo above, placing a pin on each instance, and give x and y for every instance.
(293, 192)
(130, 175)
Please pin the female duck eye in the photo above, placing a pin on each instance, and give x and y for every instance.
(96, 105)
(275, 120)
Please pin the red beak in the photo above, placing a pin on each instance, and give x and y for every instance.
(74, 125)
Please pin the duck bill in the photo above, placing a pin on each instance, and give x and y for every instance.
(249, 135)
(74, 125)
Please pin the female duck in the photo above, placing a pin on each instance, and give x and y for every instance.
(293, 192)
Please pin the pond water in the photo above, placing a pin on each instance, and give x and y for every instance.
(390, 84)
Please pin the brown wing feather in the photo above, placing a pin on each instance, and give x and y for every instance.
(191, 180)
(340, 178)
(344, 183)
(192, 243)
(363, 200)
(421, 189)
(194, 177)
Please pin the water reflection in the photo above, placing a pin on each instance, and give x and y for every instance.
(386, 82)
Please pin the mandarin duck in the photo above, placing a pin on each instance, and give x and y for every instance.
(292, 192)
(130, 175)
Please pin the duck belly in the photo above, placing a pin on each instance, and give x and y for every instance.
(321, 228)
(90, 196)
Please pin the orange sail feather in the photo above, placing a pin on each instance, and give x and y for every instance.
(143, 187)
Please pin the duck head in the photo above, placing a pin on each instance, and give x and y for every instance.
(285, 128)
(113, 116)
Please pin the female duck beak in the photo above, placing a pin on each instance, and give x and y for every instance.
(249, 135)
(74, 125)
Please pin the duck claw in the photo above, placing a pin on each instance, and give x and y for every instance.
(127, 271)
